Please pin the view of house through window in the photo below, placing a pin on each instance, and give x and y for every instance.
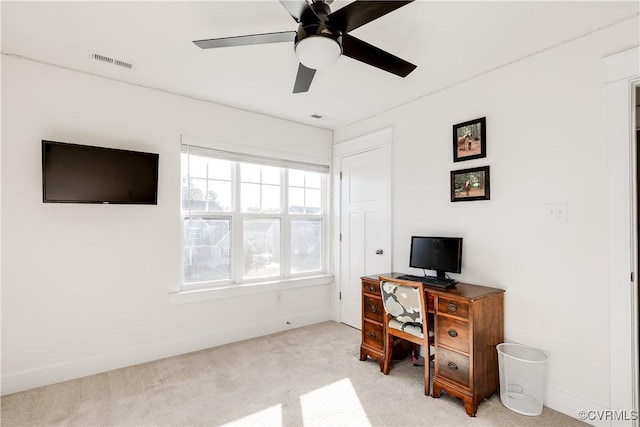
(247, 222)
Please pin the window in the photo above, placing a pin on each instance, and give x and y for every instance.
(248, 220)
(305, 192)
(260, 188)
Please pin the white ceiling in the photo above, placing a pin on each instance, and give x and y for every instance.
(449, 41)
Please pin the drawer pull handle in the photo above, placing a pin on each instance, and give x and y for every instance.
(372, 288)
(373, 309)
(452, 366)
(452, 308)
(452, 333)
(372, 334)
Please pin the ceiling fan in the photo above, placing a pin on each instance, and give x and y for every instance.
(322, 36)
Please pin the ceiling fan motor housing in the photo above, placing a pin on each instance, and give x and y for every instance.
(314, 22)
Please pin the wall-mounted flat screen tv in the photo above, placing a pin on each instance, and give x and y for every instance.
(73, 173)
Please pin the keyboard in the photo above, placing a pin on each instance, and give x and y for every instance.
(430, 281)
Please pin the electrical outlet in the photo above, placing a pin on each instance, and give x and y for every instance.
(557, 212)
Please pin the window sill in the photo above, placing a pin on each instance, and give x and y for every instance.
(220, 292)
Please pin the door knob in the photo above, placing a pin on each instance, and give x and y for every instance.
(379, 252)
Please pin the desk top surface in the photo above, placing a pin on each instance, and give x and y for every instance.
(463, 290)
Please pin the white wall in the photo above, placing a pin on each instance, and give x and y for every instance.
(85, 288)
(546, 125)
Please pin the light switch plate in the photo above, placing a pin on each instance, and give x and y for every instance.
(557, 211)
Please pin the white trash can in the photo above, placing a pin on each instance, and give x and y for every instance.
(522, 378)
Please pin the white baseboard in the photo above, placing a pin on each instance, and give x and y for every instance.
(578, 408)
(26, 380)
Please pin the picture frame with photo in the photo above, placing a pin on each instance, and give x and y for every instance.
(470, 184)
(470, 140)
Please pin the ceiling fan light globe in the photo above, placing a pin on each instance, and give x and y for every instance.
(318, 52)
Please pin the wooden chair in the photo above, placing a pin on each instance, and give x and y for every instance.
(406, 317)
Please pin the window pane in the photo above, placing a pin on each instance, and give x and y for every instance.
(250, 197)
(260, 174)
(197, 166)
(219, 169)
(260, 189)
(271, 175)
(312, 201)
(261, 248)
(219, 196)
(307, 198)
(270, 199)
(296, 200)
(306, 245)
(250, 173)
(254, 201)
(207, 195)
(193, 192)
(296, 178)
(313, 180)
(199, 191)
(207, 249)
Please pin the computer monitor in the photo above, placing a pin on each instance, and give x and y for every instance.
(441, 254)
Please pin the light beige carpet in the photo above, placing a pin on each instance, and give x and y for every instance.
(311, 376)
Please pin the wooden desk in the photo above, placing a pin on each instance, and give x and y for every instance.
(468, 324)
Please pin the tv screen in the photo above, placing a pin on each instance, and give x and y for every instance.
(442, 254)
(73, 173)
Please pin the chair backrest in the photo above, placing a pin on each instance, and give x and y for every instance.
(402, 302)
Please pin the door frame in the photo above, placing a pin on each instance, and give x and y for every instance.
(635, 200)
(622, 77)
(361, 144)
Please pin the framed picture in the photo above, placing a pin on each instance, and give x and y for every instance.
(470, 184)
(470, 140)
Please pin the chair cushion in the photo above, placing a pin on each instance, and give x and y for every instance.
(414, 329)
(402, 302)
(409, 328)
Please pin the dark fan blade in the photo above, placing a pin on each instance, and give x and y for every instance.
(359, 13)
(364, 52)
(303, 79)
(295, 8)
(285, 36)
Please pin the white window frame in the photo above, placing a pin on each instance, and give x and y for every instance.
(286, 279)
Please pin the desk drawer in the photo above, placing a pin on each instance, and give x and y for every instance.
(373, 335)
(453, 366)
(372, 308)
(371, 287)
(453, 333)
(453, 307)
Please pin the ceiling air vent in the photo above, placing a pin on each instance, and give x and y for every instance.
(110, 60)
